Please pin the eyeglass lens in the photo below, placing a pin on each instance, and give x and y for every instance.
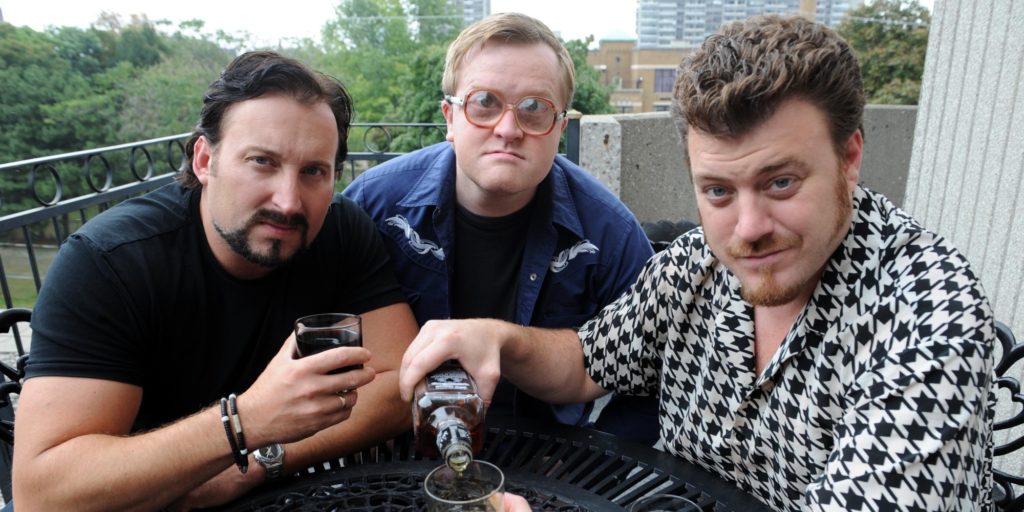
(535, 115)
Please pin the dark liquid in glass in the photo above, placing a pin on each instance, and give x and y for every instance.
(316, 341)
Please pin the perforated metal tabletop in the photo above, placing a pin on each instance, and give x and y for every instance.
(554, 467)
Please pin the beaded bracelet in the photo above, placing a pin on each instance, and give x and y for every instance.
(243, 449)
(241, 461)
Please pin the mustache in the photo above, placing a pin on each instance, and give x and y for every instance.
(765, 245)
(264, 215)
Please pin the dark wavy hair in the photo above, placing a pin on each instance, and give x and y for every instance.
(739, 77)
(255, 74)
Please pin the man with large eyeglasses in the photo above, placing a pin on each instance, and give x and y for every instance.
(492, 223)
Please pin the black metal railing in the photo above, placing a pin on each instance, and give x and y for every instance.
(43, 200)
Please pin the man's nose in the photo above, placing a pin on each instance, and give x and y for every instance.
(287, 194)
(507, 126)
(754, 219)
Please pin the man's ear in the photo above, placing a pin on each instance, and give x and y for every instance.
(853, 154)
(446, 111)
(202, 159)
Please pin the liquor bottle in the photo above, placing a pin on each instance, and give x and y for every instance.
(448, 416)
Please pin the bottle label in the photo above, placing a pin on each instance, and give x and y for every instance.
(449, 379)
(453, 433)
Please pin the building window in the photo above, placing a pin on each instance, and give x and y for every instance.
(664, 80)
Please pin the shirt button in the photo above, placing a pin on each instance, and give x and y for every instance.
(533, 277)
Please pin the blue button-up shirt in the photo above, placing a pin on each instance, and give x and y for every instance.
(583, 249)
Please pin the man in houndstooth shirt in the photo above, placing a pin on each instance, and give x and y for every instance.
(811, 343)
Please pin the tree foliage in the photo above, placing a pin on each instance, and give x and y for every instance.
(591, 96)
(890, 38)
(123, 80)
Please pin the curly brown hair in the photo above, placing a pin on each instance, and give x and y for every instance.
(739, 77)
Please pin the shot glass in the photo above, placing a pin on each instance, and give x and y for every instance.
(663, 503)
(480, 488)
(320, 332)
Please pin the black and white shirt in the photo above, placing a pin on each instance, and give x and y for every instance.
(877, 399)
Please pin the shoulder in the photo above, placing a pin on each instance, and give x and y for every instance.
(929, 275)
(396, 172)
(902, 243)
(164, 210)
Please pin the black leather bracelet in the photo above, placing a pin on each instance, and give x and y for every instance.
(243, 449)
(242, 461)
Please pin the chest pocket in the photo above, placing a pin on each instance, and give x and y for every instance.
(570, 296)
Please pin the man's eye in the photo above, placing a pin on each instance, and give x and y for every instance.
(314, 171)
(715, 192)
(261, 160)
(781, 183)
(533, 106)
(484, 100)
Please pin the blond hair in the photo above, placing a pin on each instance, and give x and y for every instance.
(507, 28)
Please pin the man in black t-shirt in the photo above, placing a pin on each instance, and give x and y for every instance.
(168, 303)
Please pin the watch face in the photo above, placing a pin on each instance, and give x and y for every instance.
(273, 451)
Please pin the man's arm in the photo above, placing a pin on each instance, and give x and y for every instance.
(73, 450)
(378, 414)
(546, 363)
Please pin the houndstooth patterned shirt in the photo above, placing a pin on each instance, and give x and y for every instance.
(878, 398)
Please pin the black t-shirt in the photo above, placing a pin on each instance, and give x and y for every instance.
(488, 259)
(136, 296)
(488, 256)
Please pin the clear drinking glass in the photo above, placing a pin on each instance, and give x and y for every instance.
(664, 503)
(316, 333)
(479, 488)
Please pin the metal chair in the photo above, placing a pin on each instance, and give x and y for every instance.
(1003, 494)
(10, 384)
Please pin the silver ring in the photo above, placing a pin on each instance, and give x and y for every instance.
(344, 402)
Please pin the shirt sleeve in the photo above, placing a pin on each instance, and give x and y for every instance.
(630, 261)
(623, 344)
(82, 323)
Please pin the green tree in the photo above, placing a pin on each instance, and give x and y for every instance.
(420, 101)
(166, 98)
(591, 96)
(890, 38)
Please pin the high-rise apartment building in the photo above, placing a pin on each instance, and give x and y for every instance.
(685, 23)
(472, 10)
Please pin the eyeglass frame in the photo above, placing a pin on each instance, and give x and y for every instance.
(461, 102)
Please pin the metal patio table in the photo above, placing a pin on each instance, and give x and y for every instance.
(554, 467)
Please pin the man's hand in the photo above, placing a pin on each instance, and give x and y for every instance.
(295, 398)
(514, 503)
(475, 343)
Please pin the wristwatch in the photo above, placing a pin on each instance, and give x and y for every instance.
(272, 458)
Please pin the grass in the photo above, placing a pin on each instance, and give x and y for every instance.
(19, 272)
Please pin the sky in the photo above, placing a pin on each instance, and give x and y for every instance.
(271, 22)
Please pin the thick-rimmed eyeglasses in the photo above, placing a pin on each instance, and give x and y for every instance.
(534, 115)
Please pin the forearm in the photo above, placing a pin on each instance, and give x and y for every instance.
(379, 415)
(106, 472)
(547, 364)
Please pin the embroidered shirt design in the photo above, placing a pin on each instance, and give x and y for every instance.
(419, 245)
(562, 259)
